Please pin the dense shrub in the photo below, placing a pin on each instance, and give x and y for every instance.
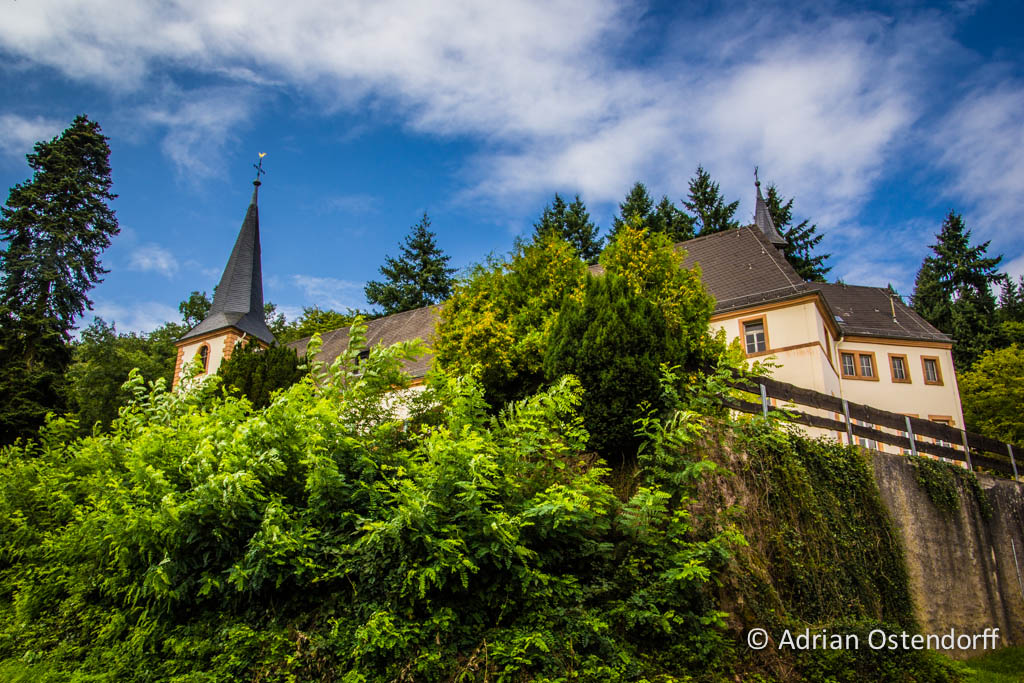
(615, 342)
(258, 372)
(321, 539)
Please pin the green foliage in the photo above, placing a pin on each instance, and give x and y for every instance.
(102, 362)
(993, 392)
(831, 547)
(943, 483)
(615, 342)
(707, 206)
(497, 321)
(666, 217)
(316, 539)
(195, 308)
(314, 320)
(801, 239)
(54, 228)
(572, 223)
(953, 291)
(654, 269)
(257, 372)
(1002, 666)
(417, 278)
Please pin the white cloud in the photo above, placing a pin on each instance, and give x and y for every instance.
(136, 317)
(821, 98)
(329, 292)
(18, 133)
(198, 124)
(980, 143)
(152, 258)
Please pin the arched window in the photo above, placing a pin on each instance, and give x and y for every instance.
(204, 356)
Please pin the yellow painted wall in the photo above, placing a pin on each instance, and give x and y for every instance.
(802, 325)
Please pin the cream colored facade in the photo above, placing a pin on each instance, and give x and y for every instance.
(219, 345)
(808, 351)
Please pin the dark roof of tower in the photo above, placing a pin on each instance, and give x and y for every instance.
(763, 219)
(238, 301)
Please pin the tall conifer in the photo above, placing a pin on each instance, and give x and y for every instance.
(419, 277)
(572, 223)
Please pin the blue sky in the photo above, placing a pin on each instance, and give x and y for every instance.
(878, 119)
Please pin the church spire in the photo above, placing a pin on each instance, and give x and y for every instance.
(238, 300)
(763, 217)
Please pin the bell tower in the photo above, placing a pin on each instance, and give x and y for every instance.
(237, 310)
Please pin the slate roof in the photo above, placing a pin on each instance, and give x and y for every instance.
(741, 268)
(763, 219)
(238, 301)
(415, 324)
(868, 311)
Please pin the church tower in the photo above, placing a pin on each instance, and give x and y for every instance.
(237, 310)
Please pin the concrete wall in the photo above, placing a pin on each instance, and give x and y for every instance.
(962, 570)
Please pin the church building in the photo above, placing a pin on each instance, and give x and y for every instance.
(237, 310)
(854, 342)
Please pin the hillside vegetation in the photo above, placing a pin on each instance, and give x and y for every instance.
(323, 538)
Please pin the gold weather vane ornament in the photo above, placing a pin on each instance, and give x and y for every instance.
(259, 167)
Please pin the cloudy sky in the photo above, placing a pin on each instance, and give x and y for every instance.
(878, 120)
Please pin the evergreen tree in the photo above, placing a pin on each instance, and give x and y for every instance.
(615, 342)
(417, 278)
(54, 226)
(801, 239)
(666, 217)
(710, 212)
(1011, 311)
(257, 372)
(572, 223)
(953, 291)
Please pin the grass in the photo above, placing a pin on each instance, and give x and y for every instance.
(1002, 666)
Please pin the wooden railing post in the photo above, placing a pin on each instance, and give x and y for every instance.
(910, 435)
(764, 401)
(1013, 462)
(967, 450)
(849, 427)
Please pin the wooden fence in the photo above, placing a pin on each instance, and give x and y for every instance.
(975, 450)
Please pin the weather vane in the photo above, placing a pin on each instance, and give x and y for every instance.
(259, 167)
(756, 181)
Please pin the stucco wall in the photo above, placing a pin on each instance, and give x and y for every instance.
(913, 398)
(961, 566)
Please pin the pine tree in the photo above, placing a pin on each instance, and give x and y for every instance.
(801, 239)
(572, 223)
(55, 226)
(710, 212)
(417, 278)
(953, 291)
(666, 217)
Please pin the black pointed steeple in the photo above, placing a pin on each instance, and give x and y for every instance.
(238, 301)
(763, 217)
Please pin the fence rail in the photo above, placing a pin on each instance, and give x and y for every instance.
(977, 450)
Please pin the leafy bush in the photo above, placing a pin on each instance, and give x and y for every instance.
(322, 539)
